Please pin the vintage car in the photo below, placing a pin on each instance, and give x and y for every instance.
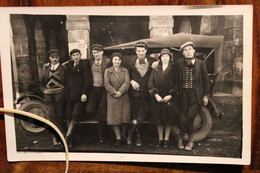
(205, 47)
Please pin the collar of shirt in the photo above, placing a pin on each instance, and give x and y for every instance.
(193, 61)
(145, 60)
(98, 62)
(54, 67)
(75, 63)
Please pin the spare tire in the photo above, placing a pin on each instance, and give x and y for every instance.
(31, 125)
(202, 125)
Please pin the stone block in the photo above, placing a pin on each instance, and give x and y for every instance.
(78, 36)
(18, 27)
(40, 45)
(41, 52)
(161, 21)
(77, 25)
(229, 22)
(21, 49)
(16, 16)
(38, 32)
(233, 21)
(205, 27)
(39, 39)
(77, 17)
(238, 36)
(160, 32)
(20, 39)
(238, 21)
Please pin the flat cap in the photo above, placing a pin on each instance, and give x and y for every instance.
(188, 43)
(74, 51)
(97, 47)
(141, 44)
(53, 52)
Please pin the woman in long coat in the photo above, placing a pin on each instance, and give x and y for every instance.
(117, 83)
(161, 87)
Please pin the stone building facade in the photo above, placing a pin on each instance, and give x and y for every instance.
(33, 35)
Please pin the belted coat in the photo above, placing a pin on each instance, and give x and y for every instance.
(118, 109)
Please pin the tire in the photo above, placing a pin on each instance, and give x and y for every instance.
(202, 125)
(28, 124)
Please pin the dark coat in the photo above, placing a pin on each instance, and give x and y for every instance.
(118, 109)
(143, 92)
(80, 79)
(162, 83)
(202, 80)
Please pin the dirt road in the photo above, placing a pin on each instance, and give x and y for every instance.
(224, 140)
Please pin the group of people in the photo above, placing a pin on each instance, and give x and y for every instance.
(121, 94)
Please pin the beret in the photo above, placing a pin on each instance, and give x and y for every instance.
(97, 47)
(188, 43)
(74, 51)
(53, 52)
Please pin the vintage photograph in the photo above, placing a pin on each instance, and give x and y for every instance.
(130, 87)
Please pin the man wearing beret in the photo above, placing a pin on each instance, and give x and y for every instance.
(79, 88)
(193, 86)
(97, 105)
(54, 83)
(139, 70)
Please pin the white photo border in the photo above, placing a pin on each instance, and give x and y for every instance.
(245, 10)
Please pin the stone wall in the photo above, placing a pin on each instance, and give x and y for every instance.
(21, 61)
(229, 57)
(160, 26)
(78, 33)
(40, 48)
(233, 51)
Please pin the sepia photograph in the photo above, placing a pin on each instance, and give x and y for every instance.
(143, 84)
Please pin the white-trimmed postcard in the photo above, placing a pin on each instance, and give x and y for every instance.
(222, 38)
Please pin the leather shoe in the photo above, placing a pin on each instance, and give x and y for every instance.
(189, 146)
(55, 141)
(138, 141)
(118, 142)
(180, 143)
(166, 144)
(101, 139)
(128, 140)
(160, 142)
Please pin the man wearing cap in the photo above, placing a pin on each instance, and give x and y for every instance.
(193, 86)
(139, 70)
(54, 81)
(79, 88)
(97, 105)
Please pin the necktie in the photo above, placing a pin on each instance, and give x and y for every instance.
(75, 63)
(141, 61)
(189, 62)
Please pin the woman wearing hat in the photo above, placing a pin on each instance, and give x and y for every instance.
(161, 84)
(118, 107)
